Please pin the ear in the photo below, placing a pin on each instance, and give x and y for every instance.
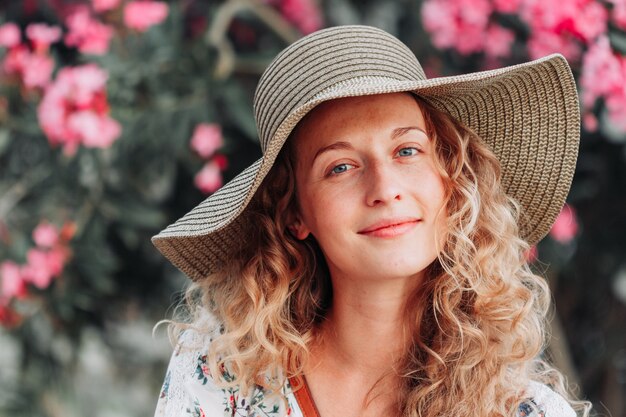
(298, 229)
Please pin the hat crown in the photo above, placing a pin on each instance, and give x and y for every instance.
(322, 60)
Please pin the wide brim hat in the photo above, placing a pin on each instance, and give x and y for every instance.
(528, 115)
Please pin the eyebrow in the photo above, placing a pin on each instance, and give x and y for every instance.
(331, 147)
(402, 130)
(396, 133)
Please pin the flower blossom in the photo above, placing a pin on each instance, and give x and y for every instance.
(74, 110)
(458, 24)
(42, 266)
(546, 43)
(499, 41)
(12, 284)
(603, 76)
(141, 15)
(206, 139)
(89, 35)
(209, 179)
(305, 14)
(566, 226)
(42, 35)
(104, 5)
(33, 69)
(563, 26)
(37, 71)
(44, 263)
(507, 6)
(10, 35)
(45, 235)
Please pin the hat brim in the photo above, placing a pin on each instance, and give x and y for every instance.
(528, 114)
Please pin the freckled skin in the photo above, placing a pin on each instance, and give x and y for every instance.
(372, 176)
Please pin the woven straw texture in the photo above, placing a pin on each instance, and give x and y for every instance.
(528, 114)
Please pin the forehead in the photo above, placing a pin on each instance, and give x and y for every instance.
(343, 109)
(350, 116)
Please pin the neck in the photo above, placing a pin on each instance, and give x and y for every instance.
(364, 331)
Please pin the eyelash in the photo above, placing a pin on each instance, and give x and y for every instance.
(332, 173)
(411, 147)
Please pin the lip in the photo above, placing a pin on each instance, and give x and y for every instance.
(390, 227)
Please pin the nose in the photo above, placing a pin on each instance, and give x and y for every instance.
(383, 184)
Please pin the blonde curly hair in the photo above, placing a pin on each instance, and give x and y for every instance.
(477, 321)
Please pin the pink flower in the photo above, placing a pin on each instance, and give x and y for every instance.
(12, 282)
(15, 60)
(303, 13)
(97, 131)
(43, 266)
(42, 35)
(550, 15)
(461, 25)
(10, 35)
(542, 43)
(56, 258)
(499, 42)
(563, 26)
(33, 69)
(45, 235)
(141, 15)
(206, 139)
(592, 21)
(104, 5)
(36, 271)
(89, 35)
(438, 19)
(37, 71)
(74, 110)
(507, 6)
(209, 179)
(602, 73)
(565, 227)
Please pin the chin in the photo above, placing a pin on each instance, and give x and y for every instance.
(398, 270)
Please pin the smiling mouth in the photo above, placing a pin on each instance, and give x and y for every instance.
(390, 230)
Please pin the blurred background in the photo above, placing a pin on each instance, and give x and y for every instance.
(119, 116)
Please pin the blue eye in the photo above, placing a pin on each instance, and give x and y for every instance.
(339, 169)
(408, 151)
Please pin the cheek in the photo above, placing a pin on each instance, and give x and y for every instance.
(435, 197)
(324, 213)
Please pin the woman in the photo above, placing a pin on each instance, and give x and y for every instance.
(372, 263)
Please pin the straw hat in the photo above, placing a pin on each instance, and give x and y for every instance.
(528, 114)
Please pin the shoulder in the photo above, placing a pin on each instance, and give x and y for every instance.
(542, 401)
(188, 390)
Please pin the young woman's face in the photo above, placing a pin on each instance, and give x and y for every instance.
(367, 186)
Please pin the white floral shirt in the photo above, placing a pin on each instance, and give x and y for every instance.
(189, 391)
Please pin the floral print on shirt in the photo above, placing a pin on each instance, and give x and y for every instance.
(189, 391)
